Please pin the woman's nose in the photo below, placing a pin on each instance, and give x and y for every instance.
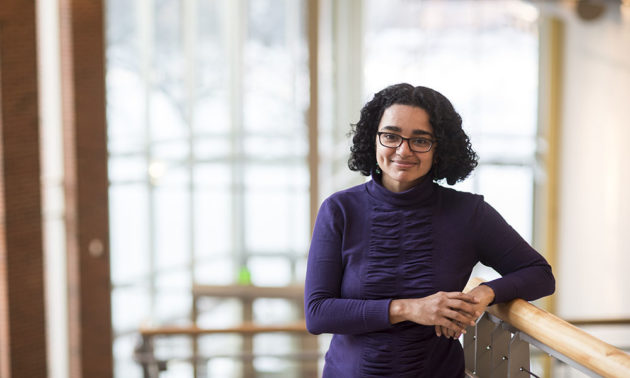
(404, 149)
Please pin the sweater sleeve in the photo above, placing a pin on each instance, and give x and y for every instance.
(525, 273)
(324, 309)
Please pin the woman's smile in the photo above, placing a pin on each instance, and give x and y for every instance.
(404, 164)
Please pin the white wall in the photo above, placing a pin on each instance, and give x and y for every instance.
(593, 265)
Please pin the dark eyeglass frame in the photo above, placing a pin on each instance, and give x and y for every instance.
(402, 139)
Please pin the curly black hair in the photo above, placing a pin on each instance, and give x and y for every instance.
(455, 158)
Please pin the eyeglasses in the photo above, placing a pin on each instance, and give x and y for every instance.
(391, 140)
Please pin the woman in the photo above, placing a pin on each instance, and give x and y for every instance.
(389, 258)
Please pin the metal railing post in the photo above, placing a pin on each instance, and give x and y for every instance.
(500, 352)
(518, 362)
(492, 350)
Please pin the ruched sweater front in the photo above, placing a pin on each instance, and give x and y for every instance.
(371, 245)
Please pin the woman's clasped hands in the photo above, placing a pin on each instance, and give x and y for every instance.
(449, 312)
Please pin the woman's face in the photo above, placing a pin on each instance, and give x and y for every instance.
(403, 168)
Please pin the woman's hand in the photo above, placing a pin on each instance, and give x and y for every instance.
(485, 295)
(452, 311)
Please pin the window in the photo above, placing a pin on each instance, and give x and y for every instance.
(208, 160)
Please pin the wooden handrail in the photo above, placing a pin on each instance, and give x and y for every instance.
(243, 329)
(589, 351)
(249, 291)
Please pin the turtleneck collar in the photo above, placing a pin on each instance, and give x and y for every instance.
(415, 196)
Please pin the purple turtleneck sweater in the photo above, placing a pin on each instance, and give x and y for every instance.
(371, 245)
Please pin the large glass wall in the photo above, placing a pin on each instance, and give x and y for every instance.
(208, 168)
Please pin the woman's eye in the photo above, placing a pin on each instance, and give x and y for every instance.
(391, 136)
(421, 142)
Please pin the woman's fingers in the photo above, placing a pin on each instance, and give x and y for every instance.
(462, 296)
(451, 327)
(462, 306)
(442, 331)
(460, 311)
(463, 319)
(452, 334)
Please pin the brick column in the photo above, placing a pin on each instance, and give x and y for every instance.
(22, 320)
(86, 186)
